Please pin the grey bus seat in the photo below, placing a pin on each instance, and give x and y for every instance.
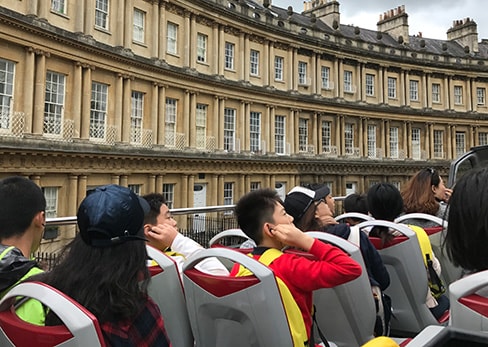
(469, 308)
(80, 327)
(235, 311)
(408, 278)
(166, 290)
(450, 272)
(444, 336)
(357, 215)
(228, 237)
(346, 314)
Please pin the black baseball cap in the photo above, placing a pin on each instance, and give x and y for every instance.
(111, 215)
(299, 199)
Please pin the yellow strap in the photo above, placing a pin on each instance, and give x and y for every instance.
(424, 242)
(292, 311)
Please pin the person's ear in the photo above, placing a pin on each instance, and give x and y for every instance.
(40, 218)
(268, 230)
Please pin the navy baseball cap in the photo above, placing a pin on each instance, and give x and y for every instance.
(111, 215)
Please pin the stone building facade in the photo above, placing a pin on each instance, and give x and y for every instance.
(204, 100)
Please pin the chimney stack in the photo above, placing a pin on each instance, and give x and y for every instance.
(464, 32)
(325, 10)
(395, 23)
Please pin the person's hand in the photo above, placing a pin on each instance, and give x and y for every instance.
(290, 235)
(161, 236)
(327, 220)
(447, 194)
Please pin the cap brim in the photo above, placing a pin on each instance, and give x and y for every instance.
(144, 204)
(321, 193)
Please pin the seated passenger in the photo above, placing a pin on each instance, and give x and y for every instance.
(426, 193)
(310, 212)
(104, 269)
(467, 231)
(355, 203)
(22, 220)
(161, 230)
(262, 217)
(385, 203)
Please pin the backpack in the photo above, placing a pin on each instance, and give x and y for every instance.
(436, 286)
(381, 300)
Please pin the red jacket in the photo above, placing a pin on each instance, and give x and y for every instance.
(302, 276)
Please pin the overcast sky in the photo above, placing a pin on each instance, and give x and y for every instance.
(432, 18)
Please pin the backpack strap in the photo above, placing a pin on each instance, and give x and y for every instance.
(424, 242)
(354, 235)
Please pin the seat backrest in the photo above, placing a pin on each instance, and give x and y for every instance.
(408, 278)
(469, 302)
(357, 215)
(234, 311)
(346, 314)
(450, 272)
(80, 327)
(440, 336)
(226, 235)
(166, 290)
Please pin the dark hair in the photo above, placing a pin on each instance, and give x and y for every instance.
(417, 194)
(155, 200)
(356, 203)
(467, 230)
(384, 203)
(254, 209)
(110, 282)
(308, 222)
(20, 201)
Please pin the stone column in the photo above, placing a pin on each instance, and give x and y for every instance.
(191, 189)
(291, 62)
(124, 180)
(162, 37)
(243, 57)
(159, 183)
(186, 40)
(246, 58)
(79, 20)
(156, 30)
(127, 24)
(217, 38)
(428, 91)
(86, 102)
(191, 49)
(81, 188)
(89, 15)
(151, 184)
(221, 51)
(40, 88)
(28, 85)
(340, 79)
(77, 97)
(381, 87)
(335, 76)
(115, 179)
(72, 203)
(423, 94)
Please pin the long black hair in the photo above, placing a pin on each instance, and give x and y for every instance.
(110, 282)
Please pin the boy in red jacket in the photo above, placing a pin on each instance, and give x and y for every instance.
(262, 217)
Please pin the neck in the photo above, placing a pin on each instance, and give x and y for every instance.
(270, 243)
(23, 243)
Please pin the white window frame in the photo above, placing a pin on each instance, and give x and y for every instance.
(416, 148)
(98, 110)
(54, 99)
(371, 141)
(102, 8)
(438, 143)
(254, 62)
(370, 84)
(136, 188)
(255, 131)
(255, 186)
(229, 129)
(171, 111)
(392, 88)
(302, 135)
(7, 80)
(171, 38)
(460, 143)
(325, 76)
(436, 93)
(326, 136)
(349, 138)
(229, 56)
(278, 68)
(302, 73)
(138, 25)
(201, 126)
(59, 6)
(481, 96)
(136, 116)
(458, 95)
(482, 138)
(280, 134)
(394, 142)
(414, 90)
(169, 194)
(202, 41)
(348, 81)
(228, 193)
